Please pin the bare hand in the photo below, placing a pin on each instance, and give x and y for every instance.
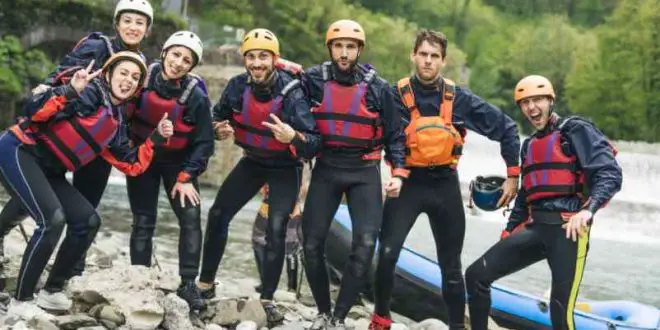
(222, 129)
(577, 224)
(83, 76)
(185, 190)
(509, 191)
(393, 187)
(282, 131)
(40, 89)
(165, 127)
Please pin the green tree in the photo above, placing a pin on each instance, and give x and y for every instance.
(619, 87)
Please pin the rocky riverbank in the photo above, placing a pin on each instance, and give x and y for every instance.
(114, 295)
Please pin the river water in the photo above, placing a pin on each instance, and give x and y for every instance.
(625, 244)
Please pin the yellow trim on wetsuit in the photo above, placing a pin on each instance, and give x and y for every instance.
(583, 243)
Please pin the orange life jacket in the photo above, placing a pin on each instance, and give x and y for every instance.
(431, 140)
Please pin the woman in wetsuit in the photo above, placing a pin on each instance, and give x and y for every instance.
(171, 89)
(75, 124)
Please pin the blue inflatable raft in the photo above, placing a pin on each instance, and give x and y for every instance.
(417, 293)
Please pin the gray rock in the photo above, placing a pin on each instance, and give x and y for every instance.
(108, 313)
(398, 326)
(430, 324)
(41, 324)
(132, 289)
(212, 326)
(98, 327)
(73, 322)
(247, 325)
(176, 313)
(284, 296)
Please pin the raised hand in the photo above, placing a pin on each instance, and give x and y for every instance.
(82, 77)
(165, 127)
(282, 131)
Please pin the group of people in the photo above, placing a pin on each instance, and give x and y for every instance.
(104, 107)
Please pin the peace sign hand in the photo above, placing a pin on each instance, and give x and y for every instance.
(83, 76)
(282, 131)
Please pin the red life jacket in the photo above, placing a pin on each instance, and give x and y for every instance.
(76, 141)
(153, 107)
(251, 134)
(343, 118)
(548, 172)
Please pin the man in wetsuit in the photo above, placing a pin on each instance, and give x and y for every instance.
(266, 110)
(437, 113)
(353, 109)
(568, 173)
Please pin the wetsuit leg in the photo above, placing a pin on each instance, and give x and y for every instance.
(365, 206)
(399, 215)
(242, 183)
(190, 228)
(143, 193)
(566, 260)
(259, 241)
(91, 181)
(505, 257)
(444, 207)
(283, 186)
(292, 272)
(259, 258)
(82, 225)
(24, 180)
(323, 198)
(12, 214)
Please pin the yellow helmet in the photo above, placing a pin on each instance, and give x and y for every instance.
(260, 39)
(533, 86)
(345, 28)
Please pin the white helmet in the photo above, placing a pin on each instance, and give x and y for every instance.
(138, 6)
(186, 39)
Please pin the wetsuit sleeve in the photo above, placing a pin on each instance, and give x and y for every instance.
(297, 114)
(55, 99)
(223, 110)
(520, 211)
(393, 135)
(603, 175)
(489, 121)
(132, 161)
(80, 56)
(202, 142)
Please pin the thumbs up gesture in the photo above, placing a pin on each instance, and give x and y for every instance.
(281, 131)
(165, 127)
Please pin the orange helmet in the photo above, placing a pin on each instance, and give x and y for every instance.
(533, 86)
(345, 28)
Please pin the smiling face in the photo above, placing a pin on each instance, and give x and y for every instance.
(537, 110)
(124, 80)
(177, 62)
(344, 52)
(132, 28)
(259, 64)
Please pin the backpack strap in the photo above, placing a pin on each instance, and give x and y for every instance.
(325, 70)
(186, 93)
(291, 85)
(448, 94)
(406, 94)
